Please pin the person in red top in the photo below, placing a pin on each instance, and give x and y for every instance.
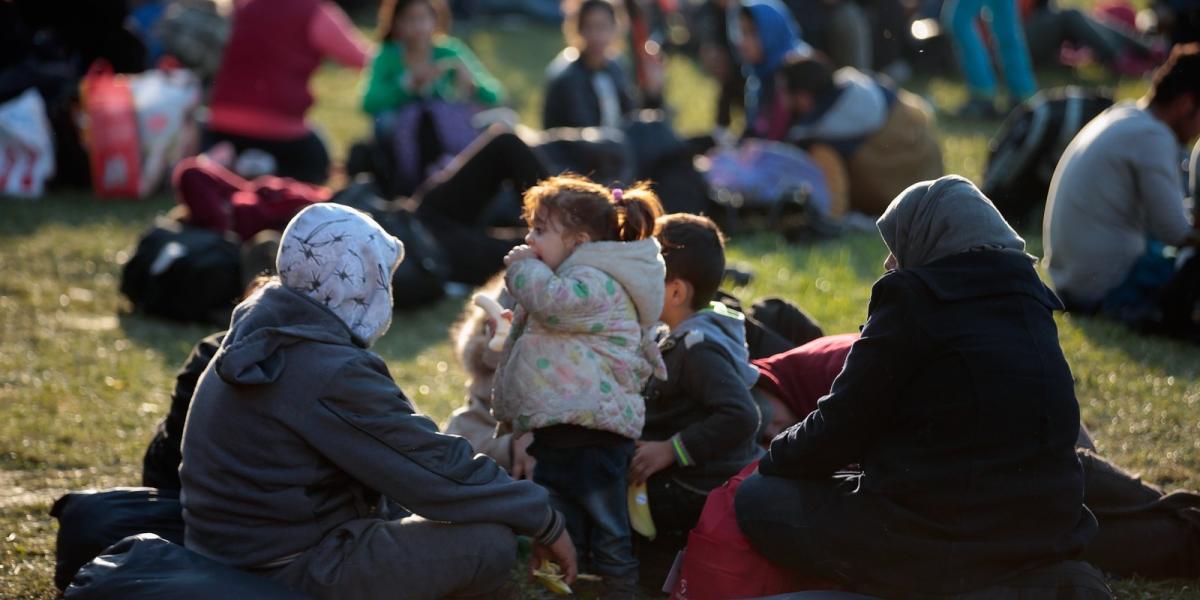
(791, 382)
(260, 96)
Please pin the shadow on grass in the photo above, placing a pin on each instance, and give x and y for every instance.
(1174, 358)
(412, 332)
(415, 331)
(172, 339)
(864, 251)
(76, 208)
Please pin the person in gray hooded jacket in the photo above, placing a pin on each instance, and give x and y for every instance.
(297, 432)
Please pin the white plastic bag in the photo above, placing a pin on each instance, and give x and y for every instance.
(26, 146)
(165, 101)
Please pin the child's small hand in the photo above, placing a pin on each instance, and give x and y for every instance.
(489, 324)
(522, 462)
(650, 458)
(464, 81)
(521, 252)
(561, 552)
(421, 75)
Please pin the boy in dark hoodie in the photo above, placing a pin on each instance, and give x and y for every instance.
(700, 422)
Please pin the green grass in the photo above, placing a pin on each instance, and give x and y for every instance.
(82, 384)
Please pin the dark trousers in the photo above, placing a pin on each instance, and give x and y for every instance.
(453, 202)
(731, 95)
(818, 528)
(429, 151)
(589, 485)
(304, 159)
(787, 519)
(675, 509)
(405, 558)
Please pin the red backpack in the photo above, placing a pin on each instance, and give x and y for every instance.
(719, 563)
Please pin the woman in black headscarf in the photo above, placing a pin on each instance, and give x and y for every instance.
(956, 411)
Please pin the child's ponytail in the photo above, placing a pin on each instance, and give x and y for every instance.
(637, 210)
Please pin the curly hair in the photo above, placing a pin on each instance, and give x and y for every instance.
(582, 205)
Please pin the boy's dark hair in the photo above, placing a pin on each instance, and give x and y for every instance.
(694, 251)
(1178, 76)
(812, 73)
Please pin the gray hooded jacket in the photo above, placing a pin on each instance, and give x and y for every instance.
(295, 429)
(704, 407)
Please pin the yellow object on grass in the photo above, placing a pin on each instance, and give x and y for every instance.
(639, 511)
(551, 576)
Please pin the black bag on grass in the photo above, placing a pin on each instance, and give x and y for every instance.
(1023, 154)
(90, 521)
(148, 566)
(601, 154)
(773, 325)
(184, 273)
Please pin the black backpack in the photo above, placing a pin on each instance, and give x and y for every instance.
(148, 566)
(421, 277)
(184, 273)
(90, 521)
(1023, 154)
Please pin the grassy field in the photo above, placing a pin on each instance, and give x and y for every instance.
(82, 383)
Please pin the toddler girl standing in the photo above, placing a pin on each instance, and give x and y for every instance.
(589, 289)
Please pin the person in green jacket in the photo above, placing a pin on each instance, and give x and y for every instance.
(417, 59)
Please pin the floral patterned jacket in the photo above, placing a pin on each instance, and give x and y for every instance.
(582, 344)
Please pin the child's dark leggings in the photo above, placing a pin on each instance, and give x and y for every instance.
(589, 486)
(303, 159)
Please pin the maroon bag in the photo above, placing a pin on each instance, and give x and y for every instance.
(720, 563)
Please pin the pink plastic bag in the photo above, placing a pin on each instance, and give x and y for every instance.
(110, 132)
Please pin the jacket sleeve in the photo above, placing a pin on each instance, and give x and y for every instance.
(558, 302)
(710, 379)
(862, 400)
(567, 103)
(488, 89)
(365, 425)
(476, 424)
(334, 35)
(1156, 174)
(385, 90)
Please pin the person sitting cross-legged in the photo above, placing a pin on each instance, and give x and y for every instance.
(942, 461)
(1116, 203)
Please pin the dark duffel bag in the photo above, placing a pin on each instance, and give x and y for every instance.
(147, 566)
(184, 273)
(421, 277)
(90, 521)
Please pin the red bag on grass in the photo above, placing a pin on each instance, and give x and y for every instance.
(137, 126)
(111, 132)
(719, 563)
